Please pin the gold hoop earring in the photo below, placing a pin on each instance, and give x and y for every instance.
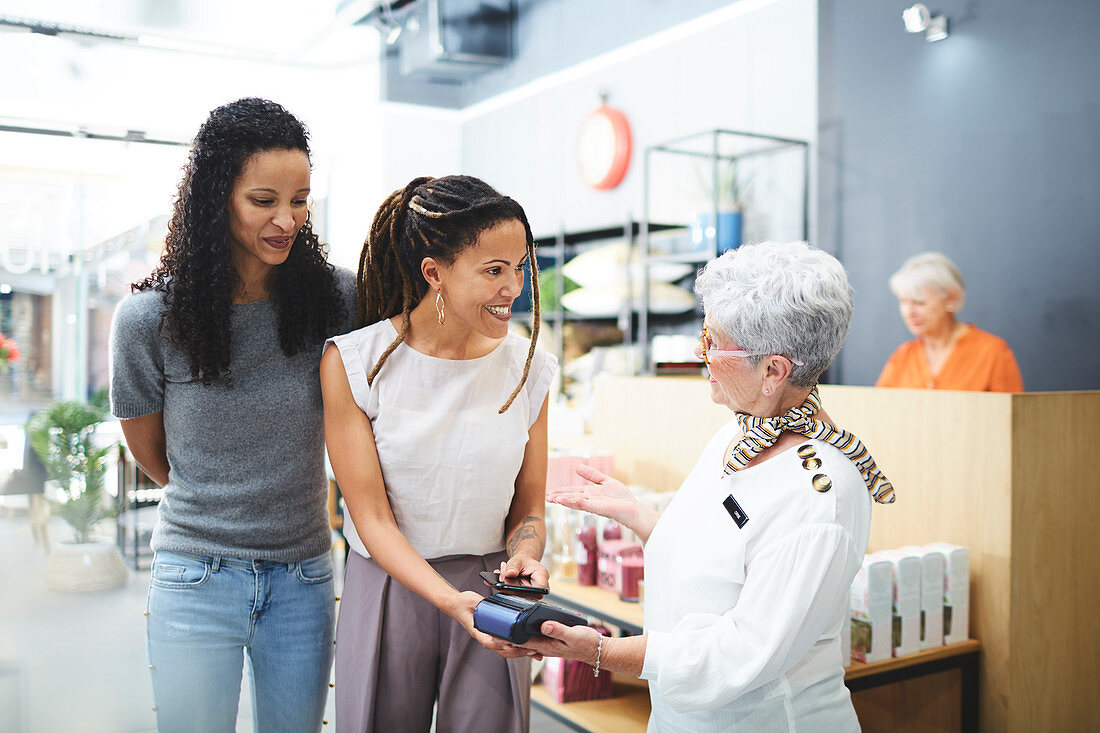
(439, 307)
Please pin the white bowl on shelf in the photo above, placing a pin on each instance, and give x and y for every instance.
(609, 300)
(607, 265)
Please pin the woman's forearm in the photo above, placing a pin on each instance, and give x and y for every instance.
(393, 552)
(625, 655)
(148, 445)
(527, 537)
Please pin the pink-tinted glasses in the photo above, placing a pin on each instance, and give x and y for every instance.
(708, 350)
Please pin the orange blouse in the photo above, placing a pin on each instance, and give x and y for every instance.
(979, 361)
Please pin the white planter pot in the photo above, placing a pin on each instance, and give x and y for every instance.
(85, 568)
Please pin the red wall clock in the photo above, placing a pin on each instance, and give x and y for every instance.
(604, 147)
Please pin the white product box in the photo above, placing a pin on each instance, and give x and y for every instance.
(871, 599)
(956, 591)
(906, 608)
(931, 595)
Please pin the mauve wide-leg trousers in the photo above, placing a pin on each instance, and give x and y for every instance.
(398, 656)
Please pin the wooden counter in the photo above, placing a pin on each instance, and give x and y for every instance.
(629, 710)
(626, 712)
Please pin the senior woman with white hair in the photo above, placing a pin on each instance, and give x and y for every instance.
(748, 569)
(946, 353)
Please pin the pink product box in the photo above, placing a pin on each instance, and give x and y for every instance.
(609, 572)
(561, 468)
(568, 680)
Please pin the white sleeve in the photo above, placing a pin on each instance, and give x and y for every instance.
(543, 369)
(348, 347)
(792, 588)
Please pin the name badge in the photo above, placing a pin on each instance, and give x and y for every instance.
(735, 510)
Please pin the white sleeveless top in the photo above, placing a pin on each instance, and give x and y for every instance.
(449, 461)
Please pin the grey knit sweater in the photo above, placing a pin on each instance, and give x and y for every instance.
(246, 460)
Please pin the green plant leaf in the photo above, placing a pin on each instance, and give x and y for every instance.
(62, 437)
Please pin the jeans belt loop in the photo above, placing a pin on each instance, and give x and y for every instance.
(214, 566)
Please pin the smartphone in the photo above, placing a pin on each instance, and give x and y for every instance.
(493, 579)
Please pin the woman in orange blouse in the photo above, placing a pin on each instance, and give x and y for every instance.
(946, 353)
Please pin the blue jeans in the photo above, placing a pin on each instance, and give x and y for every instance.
(206, 614)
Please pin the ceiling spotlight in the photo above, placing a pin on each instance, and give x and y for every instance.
(382, 17)
(937, 29)
(917, 19)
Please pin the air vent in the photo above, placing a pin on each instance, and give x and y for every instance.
(456, 38)
(444, 40)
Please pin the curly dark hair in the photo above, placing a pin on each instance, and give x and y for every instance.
(431, 217)
(196, 272)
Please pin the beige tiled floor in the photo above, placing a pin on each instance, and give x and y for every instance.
(77, 662)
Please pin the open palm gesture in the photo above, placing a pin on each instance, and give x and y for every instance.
(606, 497)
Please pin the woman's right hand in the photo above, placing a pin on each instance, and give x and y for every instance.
(605, 496)
(461, 609)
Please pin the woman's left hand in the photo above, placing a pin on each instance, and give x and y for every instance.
(525, 570)
(571, 642)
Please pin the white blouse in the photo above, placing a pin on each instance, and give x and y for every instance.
(449, 461)
(743, 622)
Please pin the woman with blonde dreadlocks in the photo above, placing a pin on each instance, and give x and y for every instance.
(435, 417)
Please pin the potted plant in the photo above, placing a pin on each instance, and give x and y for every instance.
(721, 215)
(62, 436)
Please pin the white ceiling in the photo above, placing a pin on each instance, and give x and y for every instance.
(63, 194)
(293, 31)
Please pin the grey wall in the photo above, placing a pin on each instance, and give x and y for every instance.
(745, 67)
(985, 146)
(555, 34)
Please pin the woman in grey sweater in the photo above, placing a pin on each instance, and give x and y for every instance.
(215, 379)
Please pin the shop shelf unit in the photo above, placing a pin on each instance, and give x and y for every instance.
(723, 187)
(628, 710)
(558, 248)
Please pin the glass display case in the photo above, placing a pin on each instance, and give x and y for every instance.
(722, 188)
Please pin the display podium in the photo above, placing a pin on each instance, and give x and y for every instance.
(1012, 476)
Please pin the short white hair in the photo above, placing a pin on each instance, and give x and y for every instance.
(929, 271)
(780, 298)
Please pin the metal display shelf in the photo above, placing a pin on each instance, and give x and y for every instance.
(748, 187)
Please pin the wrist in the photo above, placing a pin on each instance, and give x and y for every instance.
(647, 520)
(529, 550)
(526, 551)
(451, 604)
(602, 643)
(637, 519)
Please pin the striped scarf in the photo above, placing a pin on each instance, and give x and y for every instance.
(761, 432)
